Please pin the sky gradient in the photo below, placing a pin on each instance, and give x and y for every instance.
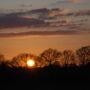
(30, 26)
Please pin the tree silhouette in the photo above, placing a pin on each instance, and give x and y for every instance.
(2, 59)
(40, 62)
(21, 59)
(84, 54)
(49, 56)
(68, 57)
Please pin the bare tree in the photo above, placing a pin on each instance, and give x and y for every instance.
(39, 62)
(21, 60)
(68, 57)
(84, 54)
(2, 59)
(49, 56)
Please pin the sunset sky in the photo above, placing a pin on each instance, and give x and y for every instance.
(31, 26)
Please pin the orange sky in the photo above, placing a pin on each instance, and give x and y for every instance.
(31, 26)
(12, 47)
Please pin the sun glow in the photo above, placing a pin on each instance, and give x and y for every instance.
(31, 63)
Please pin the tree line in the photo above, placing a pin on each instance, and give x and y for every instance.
(51, 57)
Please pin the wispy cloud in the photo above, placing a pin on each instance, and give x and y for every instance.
(39, 33)
(15, 21)
(81, 12)
(85, 11)
(42, 19)
(79, 1)
(64, 2)
(32, 18)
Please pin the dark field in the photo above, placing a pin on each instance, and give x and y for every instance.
(75, 78)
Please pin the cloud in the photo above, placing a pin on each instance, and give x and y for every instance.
(39, 33)
(37, 17)
(45, 13)
(32, 18)
(64, 2)
(14, 21)
(57, 12)
(40, 10)
(81, 12)
(85, 11)
(53, 21)
(60, 2)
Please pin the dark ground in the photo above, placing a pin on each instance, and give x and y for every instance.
(51, 77)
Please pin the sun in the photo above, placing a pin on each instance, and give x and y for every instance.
(31, 63)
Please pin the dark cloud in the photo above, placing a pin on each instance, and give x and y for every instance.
(59, 2)
(39, 33)
(44, 17)
(41, 10)
(19, 19)
(44, 13)
(83, 12)
(14, 21)
(70, 1)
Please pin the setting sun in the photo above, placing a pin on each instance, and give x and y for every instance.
(30, 63)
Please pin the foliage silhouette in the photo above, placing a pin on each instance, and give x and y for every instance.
(84, 54)
(50, 56)
(68, 57)
(21, 60)
(2, 59)
(51, 73)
